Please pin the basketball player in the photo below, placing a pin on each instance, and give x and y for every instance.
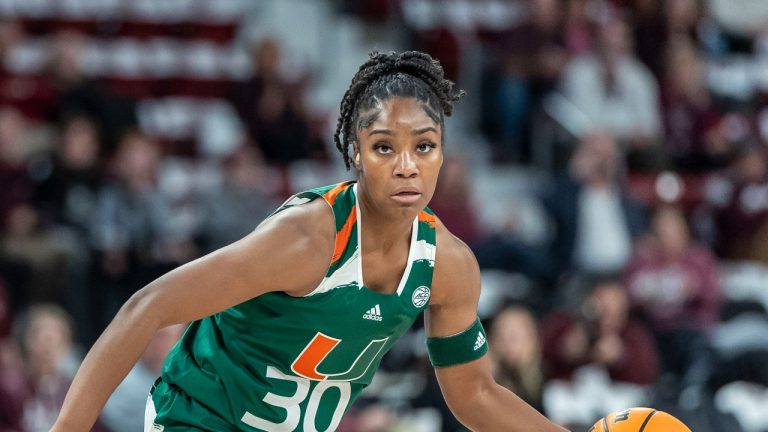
(290, 323)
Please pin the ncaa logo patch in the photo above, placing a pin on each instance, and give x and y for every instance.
(420, 296)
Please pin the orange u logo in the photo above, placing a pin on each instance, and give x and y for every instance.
(317, 350)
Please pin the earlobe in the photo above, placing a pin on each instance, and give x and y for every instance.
(356, 160)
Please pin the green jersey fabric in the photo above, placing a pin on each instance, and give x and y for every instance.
(283, 363)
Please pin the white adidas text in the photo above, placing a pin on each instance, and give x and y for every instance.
(373, 314)
(480, 341)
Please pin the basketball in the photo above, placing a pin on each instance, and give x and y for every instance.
(639, 420)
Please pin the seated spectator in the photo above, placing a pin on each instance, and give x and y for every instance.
(66, 198)
(657, 24)
(689, 114)
(244, 199)
(675, 285)
(602, 333)
(740, 216)
(25, 246)
(614, 89)
(528, 61)
(272, 108)
(516, 353)
(67, 195)
(597, 359)
(594, 217)
(76, 93)
(17, 186)
(124, 411)
(128, 232)
(45, 336)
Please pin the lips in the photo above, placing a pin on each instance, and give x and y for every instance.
(406, 195)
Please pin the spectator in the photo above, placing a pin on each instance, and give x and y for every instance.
(45, 335)
(244, 199)
(128, 233)
(689, 114)
(740, 207)
(594, 217)
(675, 285)
(602, 333)
(272, 108)
(67, 198)
(76, 93)
(658, 24)
(614, 89)
(516, 354)
(529, 60)
(17, 187)
(25, 247)
(124, 411)
(67, 195)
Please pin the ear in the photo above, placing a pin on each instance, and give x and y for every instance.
(355, 156)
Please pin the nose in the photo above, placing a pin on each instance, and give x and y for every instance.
(406, 166)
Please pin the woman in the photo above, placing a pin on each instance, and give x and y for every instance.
(281, 340)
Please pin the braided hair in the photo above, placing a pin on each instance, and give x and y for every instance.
(407, 74)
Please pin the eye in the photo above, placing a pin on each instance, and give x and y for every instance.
(382, 148)
(425, 147)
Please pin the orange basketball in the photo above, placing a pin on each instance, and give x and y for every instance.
(639, 420)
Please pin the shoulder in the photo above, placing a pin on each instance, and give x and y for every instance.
(302, 234)
(457, 274)
(313, 220)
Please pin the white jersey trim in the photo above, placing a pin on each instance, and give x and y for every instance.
(351, 272)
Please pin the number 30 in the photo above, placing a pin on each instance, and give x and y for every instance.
(291, 404)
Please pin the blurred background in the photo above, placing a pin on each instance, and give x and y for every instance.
(608, 167)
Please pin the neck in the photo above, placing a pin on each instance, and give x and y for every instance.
(380, 229)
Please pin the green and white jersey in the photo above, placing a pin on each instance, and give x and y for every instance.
(283, 363)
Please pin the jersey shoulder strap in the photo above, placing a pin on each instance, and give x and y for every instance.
(341, 198)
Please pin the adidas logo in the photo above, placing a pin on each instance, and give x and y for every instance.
(373, 314)
(480, 341)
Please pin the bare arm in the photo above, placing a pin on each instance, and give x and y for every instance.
(257, 264)
(469, 389)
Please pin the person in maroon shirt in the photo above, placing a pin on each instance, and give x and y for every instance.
(601, 333)
(739, 201)
(689, 114)
(674, 283)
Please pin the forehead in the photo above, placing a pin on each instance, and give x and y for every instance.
(394, 112)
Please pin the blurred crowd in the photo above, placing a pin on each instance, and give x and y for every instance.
(618, 208)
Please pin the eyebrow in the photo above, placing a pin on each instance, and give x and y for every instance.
(415, 132)
(424, 130)
(381, 131)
